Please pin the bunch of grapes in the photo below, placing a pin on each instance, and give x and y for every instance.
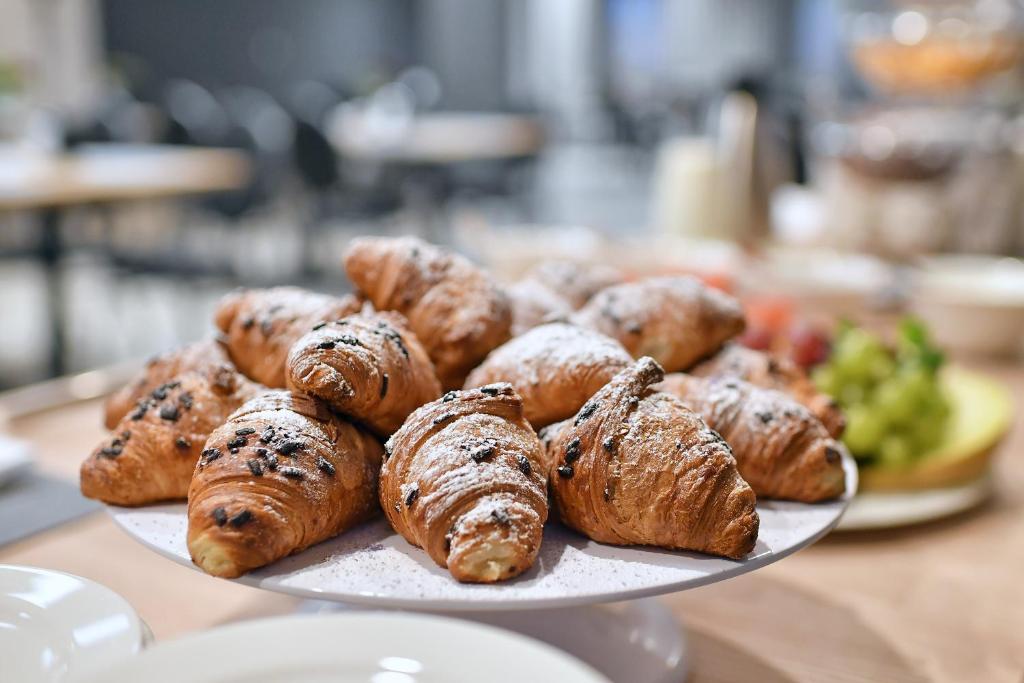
(895, 407)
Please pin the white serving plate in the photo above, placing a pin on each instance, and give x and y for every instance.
(350, 648)
(53, 625)
(886, 510)
(15, 458)
(373, 565)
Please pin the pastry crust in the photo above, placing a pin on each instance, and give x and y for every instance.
(574, 282)
(160, 370)
(782, 450)
(534, 304)
(555, 368)
(637, 467)
(675, 320)
(281, 474)
(769, 372)
(455, 308)
(369, 367)
(154, 448)
(464, 479)
(260, 326)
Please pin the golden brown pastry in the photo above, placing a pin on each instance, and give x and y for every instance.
(782, 450)
(769, 372)
(465, 479)
(260, 325)
(456, 310)
(281, 474)
(153, 451)
(534, 304)
(575, 282)
(637, 467)
(369, 367)
(160, 370)
(555, 368)
(675, 320)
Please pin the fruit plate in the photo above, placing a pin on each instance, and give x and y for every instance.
(372, 565)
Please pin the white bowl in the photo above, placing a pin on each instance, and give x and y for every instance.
(348, 648)
(972, 304)
(55, 625)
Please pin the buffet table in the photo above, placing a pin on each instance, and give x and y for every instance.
(935, 602)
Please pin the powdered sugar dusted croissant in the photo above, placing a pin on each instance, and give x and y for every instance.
(281, 474)
(369, 367)
(456, 310)
(769, 372)
(154, 448)
(575, 282)
(782, 450)
(464, 479)
(637, 467)
(555, 368)
(534, 304)
(260, 326)
(675, 320)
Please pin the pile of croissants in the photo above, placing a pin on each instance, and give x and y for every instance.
(465, 410)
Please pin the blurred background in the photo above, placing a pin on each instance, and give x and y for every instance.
(852, 155)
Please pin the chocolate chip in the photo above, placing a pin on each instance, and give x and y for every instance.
(449, 397)
(387, 450)
(241, 519)
(572, 451)
(125, 435)
(524, 464)
(633, 401)
(140, 410)
(443, 418)
(491, 390)
(765, 417)
(609, 444)
(832, 454)
(255, 467)
(607, 494)
(182, 443)
(500, 516)
(211, 454)
(586, 412)
(268, 435)
(481, 453)
(248, 322)
(325, 465)
(169, 412)
(349, 340)
(384, 385)
(412, 495)
(220, 516)
(328, 344)
(319, 326)
(236, 442)
(566, 471)
(186, 401)
(288, 447)
(245, 431)
(267, 327)
(291, 472)
(110, 452)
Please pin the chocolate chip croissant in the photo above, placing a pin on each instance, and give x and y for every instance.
(637, 467)
(575, 282)
(782, 450)
(456, 310)
(675, 320)
(260, 326)
(160, 370)
(465, 479)
(369, 367)
(153, 450)
(534, 304)
(555, 368)
(769, 372)
(281, 474)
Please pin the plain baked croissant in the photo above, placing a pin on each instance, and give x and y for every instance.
(154, 448)
(555, 368)
(782, 450)
(160, 370)
(281, 474)
(260, 326)
(675, 320)
(369, 367)
(465, 479)
(637, 467)
(769, 372)
(455, 308)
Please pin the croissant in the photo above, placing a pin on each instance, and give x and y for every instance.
(768, 372)
(260, 325)
(281, 474)
(456, 310)
(534, 304)
(161, 370)
(782, 450)
(465, 479)
(154, 448)
(555, 368)
(637, 467)
(575, 282)
(369, 367)
(675, 320)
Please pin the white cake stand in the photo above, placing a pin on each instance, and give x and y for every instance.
(558, 601)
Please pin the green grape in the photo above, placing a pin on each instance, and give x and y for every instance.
(895, 401)
(895, 450)
(826, 379)
(926, 433)
(865, 429)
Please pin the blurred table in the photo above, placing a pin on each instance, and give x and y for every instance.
(49, 184)
(936, 602)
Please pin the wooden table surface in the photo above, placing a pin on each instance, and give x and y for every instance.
(111, 172)
(936, 602)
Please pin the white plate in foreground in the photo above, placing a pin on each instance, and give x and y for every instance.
(895, 509)
(54, 624)
(375, 566)
(353, 648)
